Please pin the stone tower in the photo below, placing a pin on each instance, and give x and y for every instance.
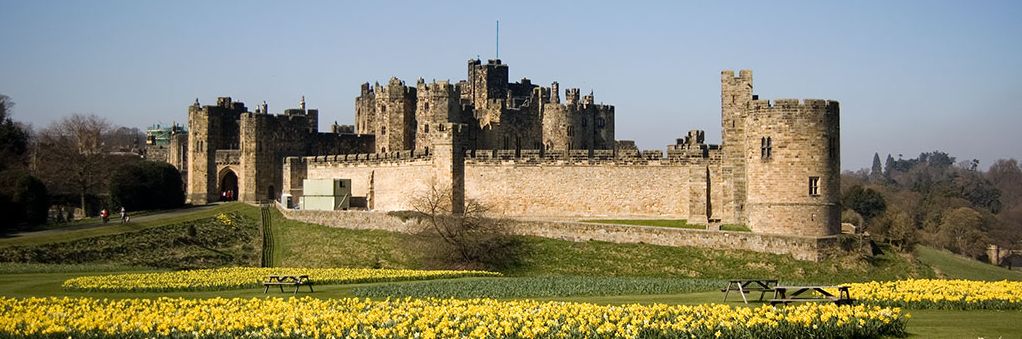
(212, 128)
(365, 110)
(488, 87)
(438, 102)
(448, 158)
(395, 125)
(793, 167)
(735, 96)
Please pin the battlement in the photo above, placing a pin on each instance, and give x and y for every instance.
(395, 88)
(827, 106)
(729, 75)
(438, 89)
(584, 157)
(364, 159)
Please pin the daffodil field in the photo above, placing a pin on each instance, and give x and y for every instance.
(941, 294)
(431, 318)
(248, 277)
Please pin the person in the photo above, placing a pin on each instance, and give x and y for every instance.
(124, 215)
(105, 215)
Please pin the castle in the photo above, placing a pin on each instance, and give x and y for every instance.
(520, 149)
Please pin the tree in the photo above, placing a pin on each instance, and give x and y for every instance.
(72, 158)
(13, 137)
(865, 201)
(877, 173)
(472, 237)
(888, 166)
(145, 185)
(961, 231)
(23, 199)
(1006, 175)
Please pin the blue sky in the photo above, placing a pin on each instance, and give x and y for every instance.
(911, 76)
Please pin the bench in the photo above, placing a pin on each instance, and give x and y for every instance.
(790, 294)
(287, 280)
(744, 286)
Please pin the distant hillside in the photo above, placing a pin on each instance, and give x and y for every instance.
(952, 266)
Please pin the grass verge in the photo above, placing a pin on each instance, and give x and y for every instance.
(675, 223)
(531, 287)
(952, 266)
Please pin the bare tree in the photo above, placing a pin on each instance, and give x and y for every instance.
(471, 235)
(71, 155)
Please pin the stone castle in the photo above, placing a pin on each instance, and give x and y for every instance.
(522, 150)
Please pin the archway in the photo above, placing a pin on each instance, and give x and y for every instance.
(228, 187)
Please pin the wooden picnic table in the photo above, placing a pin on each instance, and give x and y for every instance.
(788, 294)
(291, 280)
(743, 286)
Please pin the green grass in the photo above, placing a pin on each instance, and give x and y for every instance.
(114, 228)
(300, 244)
(539, 287)
(676, 223)
(11, 267)
(952, 266)
(735, 228)
(214, 244)
(923, 324)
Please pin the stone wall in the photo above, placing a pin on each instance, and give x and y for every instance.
(801, 248)
(552, 189)
(388, 185)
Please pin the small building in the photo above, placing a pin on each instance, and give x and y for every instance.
(326, 194)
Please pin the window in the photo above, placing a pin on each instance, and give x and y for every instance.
(814, 186)
(832, 146)
(765, 148)
(570, 131)
(601, 122)
(425, 129)
(383, 130)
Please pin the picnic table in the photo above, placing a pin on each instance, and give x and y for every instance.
(788, 294)
(290, 280)
(743, 286)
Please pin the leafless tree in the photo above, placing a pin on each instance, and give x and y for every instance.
(471, 235)
(71, 156)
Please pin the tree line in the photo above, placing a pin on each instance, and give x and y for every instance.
(935, 200)
(73, 168)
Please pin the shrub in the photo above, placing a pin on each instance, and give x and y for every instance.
(147, 185)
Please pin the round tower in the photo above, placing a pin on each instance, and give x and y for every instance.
(793, 167)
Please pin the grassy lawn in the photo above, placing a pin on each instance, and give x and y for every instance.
(676, 223)
(952, 266)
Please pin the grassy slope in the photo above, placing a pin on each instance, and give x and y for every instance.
(951, 266)
(319, 246)
(57, 235)
(165, 243)
(308, 245)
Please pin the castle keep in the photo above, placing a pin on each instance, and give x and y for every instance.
(526, 152)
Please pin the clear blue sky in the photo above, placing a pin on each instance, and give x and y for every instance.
(912, 76)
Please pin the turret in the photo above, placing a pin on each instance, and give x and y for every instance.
(793, 167)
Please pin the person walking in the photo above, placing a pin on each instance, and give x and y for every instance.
(124, 215)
